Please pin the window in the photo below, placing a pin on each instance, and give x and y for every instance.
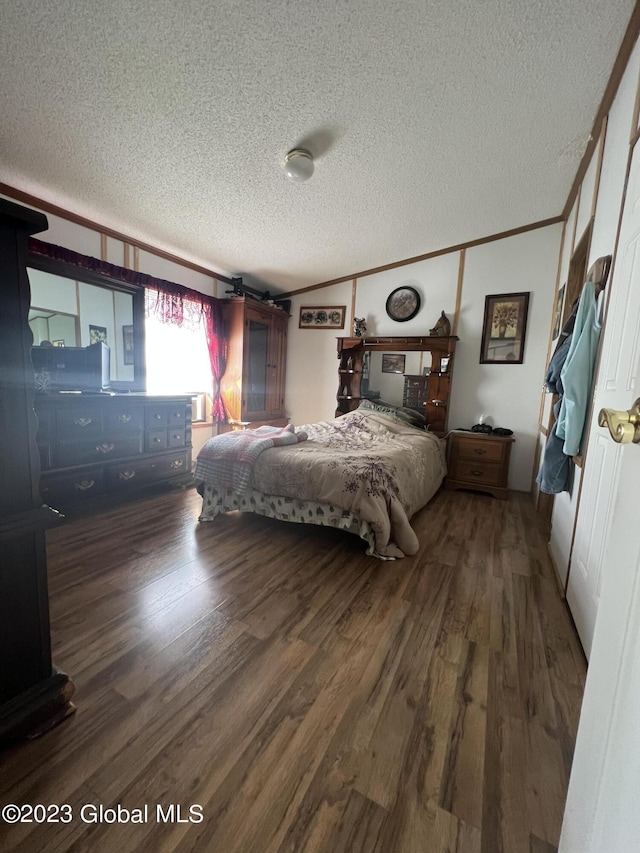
(177, 355)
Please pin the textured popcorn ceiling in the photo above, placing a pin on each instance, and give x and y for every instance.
(434, 122)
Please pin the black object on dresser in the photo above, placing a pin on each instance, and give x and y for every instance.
(98, 444)
(33, 693)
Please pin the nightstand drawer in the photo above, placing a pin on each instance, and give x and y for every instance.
(479, 462)
(472, 471)
(479, 448)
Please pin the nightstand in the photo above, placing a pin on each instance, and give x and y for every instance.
(479, 461)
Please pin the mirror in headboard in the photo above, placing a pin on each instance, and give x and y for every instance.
(383, 374)
(75, 307)
(414, 372)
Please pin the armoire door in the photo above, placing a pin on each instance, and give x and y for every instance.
(257, 371)
(277, 366)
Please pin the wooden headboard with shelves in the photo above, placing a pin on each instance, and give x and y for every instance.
(425, 382)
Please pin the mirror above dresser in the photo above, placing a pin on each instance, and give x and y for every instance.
(74, 307)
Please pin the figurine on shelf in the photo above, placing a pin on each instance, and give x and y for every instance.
(350, 363)
(442, 328)
(359, 327)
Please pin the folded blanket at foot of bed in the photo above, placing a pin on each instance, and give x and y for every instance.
(229, 458)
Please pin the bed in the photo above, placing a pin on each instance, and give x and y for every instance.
(366, 472)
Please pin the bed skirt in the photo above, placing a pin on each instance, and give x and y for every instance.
(215, 501)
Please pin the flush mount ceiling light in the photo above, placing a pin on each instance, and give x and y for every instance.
(298, 165)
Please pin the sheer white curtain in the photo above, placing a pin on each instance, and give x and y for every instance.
(177, 356)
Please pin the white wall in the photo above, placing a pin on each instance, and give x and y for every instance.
(52, 292)
(436, 281)
(508, 393)
(312, 358)
(86, 241)
(96, 309)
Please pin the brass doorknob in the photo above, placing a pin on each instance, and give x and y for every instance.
(623, 426)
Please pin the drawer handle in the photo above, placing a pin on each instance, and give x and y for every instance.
(480, 451)
(82, 422)
(157, 440)
(124, 419)
(127, 475)
(85, 485)
(177, 415)
(177, 463)
(477, 473)
(158, 417)
(105, 448)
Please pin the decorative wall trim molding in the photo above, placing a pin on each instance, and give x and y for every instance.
(619, 66)
(47, 207)
(543, 223)
(456, 313)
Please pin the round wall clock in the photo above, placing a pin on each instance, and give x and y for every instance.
(403, 303)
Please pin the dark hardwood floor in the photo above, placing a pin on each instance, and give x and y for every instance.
(306, 696)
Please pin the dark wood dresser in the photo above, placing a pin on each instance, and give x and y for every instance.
(96, 444)
(478, 461)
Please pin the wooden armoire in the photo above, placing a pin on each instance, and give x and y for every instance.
(33, 693)
(252, 387)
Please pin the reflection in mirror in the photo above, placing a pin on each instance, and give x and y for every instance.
(380, 384)
(58, 328)
(70, 313)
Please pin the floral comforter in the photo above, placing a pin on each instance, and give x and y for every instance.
(367, 463)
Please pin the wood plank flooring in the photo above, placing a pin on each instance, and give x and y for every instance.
(306, 696)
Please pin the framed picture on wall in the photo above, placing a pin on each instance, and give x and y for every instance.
(393, 363)
(313, 317)
(504, 328)
(97, 334)
(127, 344)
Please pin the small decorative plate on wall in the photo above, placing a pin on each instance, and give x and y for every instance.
(403, 303)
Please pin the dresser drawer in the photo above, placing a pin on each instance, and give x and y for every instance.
(125, 419)
(157, 416)
(166, 414)
(173, 464)
(179, 415)
(156, 439)
(129, 475)
(70, 488)
(478, 448)
(79, 422)
(478, 471)
(100, 449)
(177, 437)
(418, 382)
(139, 472)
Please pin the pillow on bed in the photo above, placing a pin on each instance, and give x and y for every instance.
(401, 413)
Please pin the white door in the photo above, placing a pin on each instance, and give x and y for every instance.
(617, 379)
(602, 813)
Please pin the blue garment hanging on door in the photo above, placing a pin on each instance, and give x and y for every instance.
(577, 372)
(553, 475)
